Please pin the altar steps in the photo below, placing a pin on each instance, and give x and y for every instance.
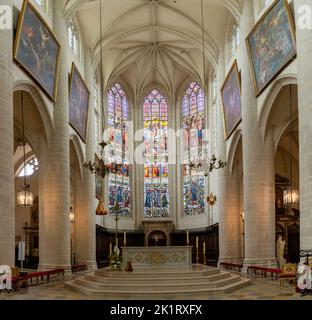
(156, 284)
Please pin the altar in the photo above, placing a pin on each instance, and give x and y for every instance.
(158, 256)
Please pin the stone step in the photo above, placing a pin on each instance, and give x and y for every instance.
(155, 293)
(146, 284)
(157, 283)
(157, 273)
(149, 279)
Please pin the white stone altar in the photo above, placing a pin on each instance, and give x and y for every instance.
(158, 256)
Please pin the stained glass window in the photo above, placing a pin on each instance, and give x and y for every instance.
(117, 117)
(193, 149)
(73, 38)
(156, 195)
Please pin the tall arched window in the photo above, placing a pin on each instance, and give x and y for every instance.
(73, 38)
(193, 108)
(156, 195)
(235, 38)
(117, 117)
(42, 3)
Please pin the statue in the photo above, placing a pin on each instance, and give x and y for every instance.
(280, 250)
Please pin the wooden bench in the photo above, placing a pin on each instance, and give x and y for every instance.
(272, 271)
(37, 275)
(57, 272)
(234, 266)
(18, 281)
(255, 269)
(77, 268)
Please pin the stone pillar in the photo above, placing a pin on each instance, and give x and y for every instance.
(54, 176)
(304, 47)
(227, 197)
(7, 199)
(258, 166)
(85, 231)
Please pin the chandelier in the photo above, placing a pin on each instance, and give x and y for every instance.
(101, 168)
(24, 197)
(213, 164)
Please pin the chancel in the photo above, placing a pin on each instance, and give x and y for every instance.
(151, 149)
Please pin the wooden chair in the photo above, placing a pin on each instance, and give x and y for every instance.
(288, 272)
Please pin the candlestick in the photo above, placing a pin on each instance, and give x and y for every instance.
(196, 242)
(204, 247)
(187, 238)
(110, 248)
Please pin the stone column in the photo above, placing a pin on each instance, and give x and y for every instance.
(258, 166)
(7, 199)
(227, 198)
(85, 231)
(304, 47)
(54, 177)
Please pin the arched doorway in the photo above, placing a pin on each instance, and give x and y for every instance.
(157, 239)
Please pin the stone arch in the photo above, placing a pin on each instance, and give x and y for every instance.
(233, 149)
(40, 104)
(78, 152)
(267, 106)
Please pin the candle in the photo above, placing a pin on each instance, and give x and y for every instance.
(204, 247)
(187, 237)
(110, 248)
(196, 242)
(125, 238)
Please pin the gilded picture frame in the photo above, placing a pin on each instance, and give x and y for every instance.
(231, 101)
(271, 45)
(36, 50)
(79, 95)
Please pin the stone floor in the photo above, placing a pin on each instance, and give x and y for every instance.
(260, 289)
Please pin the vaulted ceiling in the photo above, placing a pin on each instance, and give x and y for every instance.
(154, 41)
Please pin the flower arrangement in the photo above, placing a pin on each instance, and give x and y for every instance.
(115, 261)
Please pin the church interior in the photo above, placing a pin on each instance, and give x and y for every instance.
(155, 149)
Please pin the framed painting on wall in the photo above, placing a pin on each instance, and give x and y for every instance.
(98, 183)
(37, 50)
(271, 44)
(78, 103)
(231, 101)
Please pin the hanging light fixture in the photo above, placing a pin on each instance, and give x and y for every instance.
(291, 194)
(24, 197)
(100, 167)
(213, 162)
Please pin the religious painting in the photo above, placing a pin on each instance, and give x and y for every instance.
(98, 183)
(271, 44)
(36, 49)
(78, 103)
(232, 102)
